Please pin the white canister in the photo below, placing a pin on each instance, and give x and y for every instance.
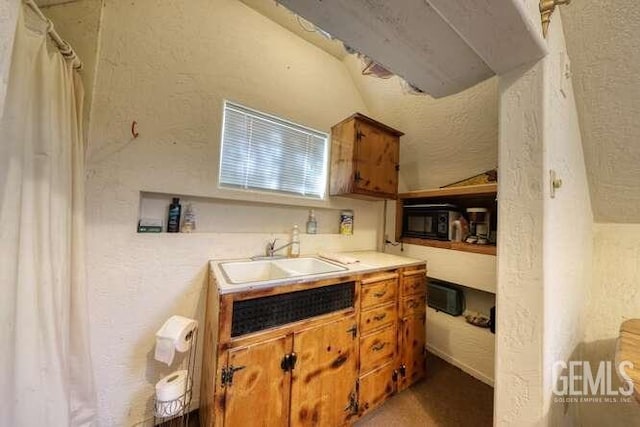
(346, 222)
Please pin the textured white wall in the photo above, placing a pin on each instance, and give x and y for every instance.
(545, 248)
(602, 39)
(446, 139)
(518, 376)
(568, 223)
(8, 19)
(614, 298)
(78, 23)
(169, 66)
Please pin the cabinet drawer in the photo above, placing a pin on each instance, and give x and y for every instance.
(414, 282)
(377, 348)
(377, 317)
(377, 293)
(375, 388)
(413, 304)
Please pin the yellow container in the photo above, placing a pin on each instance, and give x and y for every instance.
(346, 222)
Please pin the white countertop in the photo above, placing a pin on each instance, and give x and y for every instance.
(369, 261)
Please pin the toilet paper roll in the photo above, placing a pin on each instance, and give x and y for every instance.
(173, 393)
(175, 334)
(172, 386)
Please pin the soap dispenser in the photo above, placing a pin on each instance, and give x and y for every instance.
(294, 248)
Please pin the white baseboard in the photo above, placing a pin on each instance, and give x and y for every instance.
(466, 368)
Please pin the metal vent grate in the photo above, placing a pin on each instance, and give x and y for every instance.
(267, 312)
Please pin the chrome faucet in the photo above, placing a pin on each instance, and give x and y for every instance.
(271, 247)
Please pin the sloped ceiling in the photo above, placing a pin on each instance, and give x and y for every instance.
(281, 15)
(602, 42)
(440, 46)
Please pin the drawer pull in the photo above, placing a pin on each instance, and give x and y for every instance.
(378, 346)
(380, 294)
(379, 317)
(413, 304)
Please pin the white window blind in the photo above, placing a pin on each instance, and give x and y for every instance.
(262, 152)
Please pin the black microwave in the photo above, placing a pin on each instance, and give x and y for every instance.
(429, 221)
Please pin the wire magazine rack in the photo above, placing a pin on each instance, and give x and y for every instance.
(175, 412)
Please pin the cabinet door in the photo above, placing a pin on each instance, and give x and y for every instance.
(324, 378)
(376, 387)
(376, 160)
(412, 359)
(258, 394)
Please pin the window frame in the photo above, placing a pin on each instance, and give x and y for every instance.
(278, 121)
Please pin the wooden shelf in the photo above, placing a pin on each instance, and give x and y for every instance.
(469, 190)
(481, 195)
(456, 246)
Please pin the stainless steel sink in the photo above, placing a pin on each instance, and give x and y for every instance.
(265, 270)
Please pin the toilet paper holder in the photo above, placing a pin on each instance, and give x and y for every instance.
(175, 409)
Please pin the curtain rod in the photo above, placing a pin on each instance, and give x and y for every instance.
(65, 48)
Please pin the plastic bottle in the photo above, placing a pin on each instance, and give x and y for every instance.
(294, 248)
(312, 224)
(173, 220)
(189, 223)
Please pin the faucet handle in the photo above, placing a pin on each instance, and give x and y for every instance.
(271, 245)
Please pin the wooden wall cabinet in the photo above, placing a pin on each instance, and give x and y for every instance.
(326, 370)
(365, 157)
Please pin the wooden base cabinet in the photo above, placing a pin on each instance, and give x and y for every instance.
(392, 346)
(326, 370)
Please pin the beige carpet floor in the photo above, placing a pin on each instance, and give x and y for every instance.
(447, 397)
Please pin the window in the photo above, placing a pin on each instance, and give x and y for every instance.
(265, 153)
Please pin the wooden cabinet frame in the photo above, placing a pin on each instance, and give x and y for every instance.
(379, 294)
(365, 156)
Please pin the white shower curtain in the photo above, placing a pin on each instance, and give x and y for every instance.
(45, 367)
